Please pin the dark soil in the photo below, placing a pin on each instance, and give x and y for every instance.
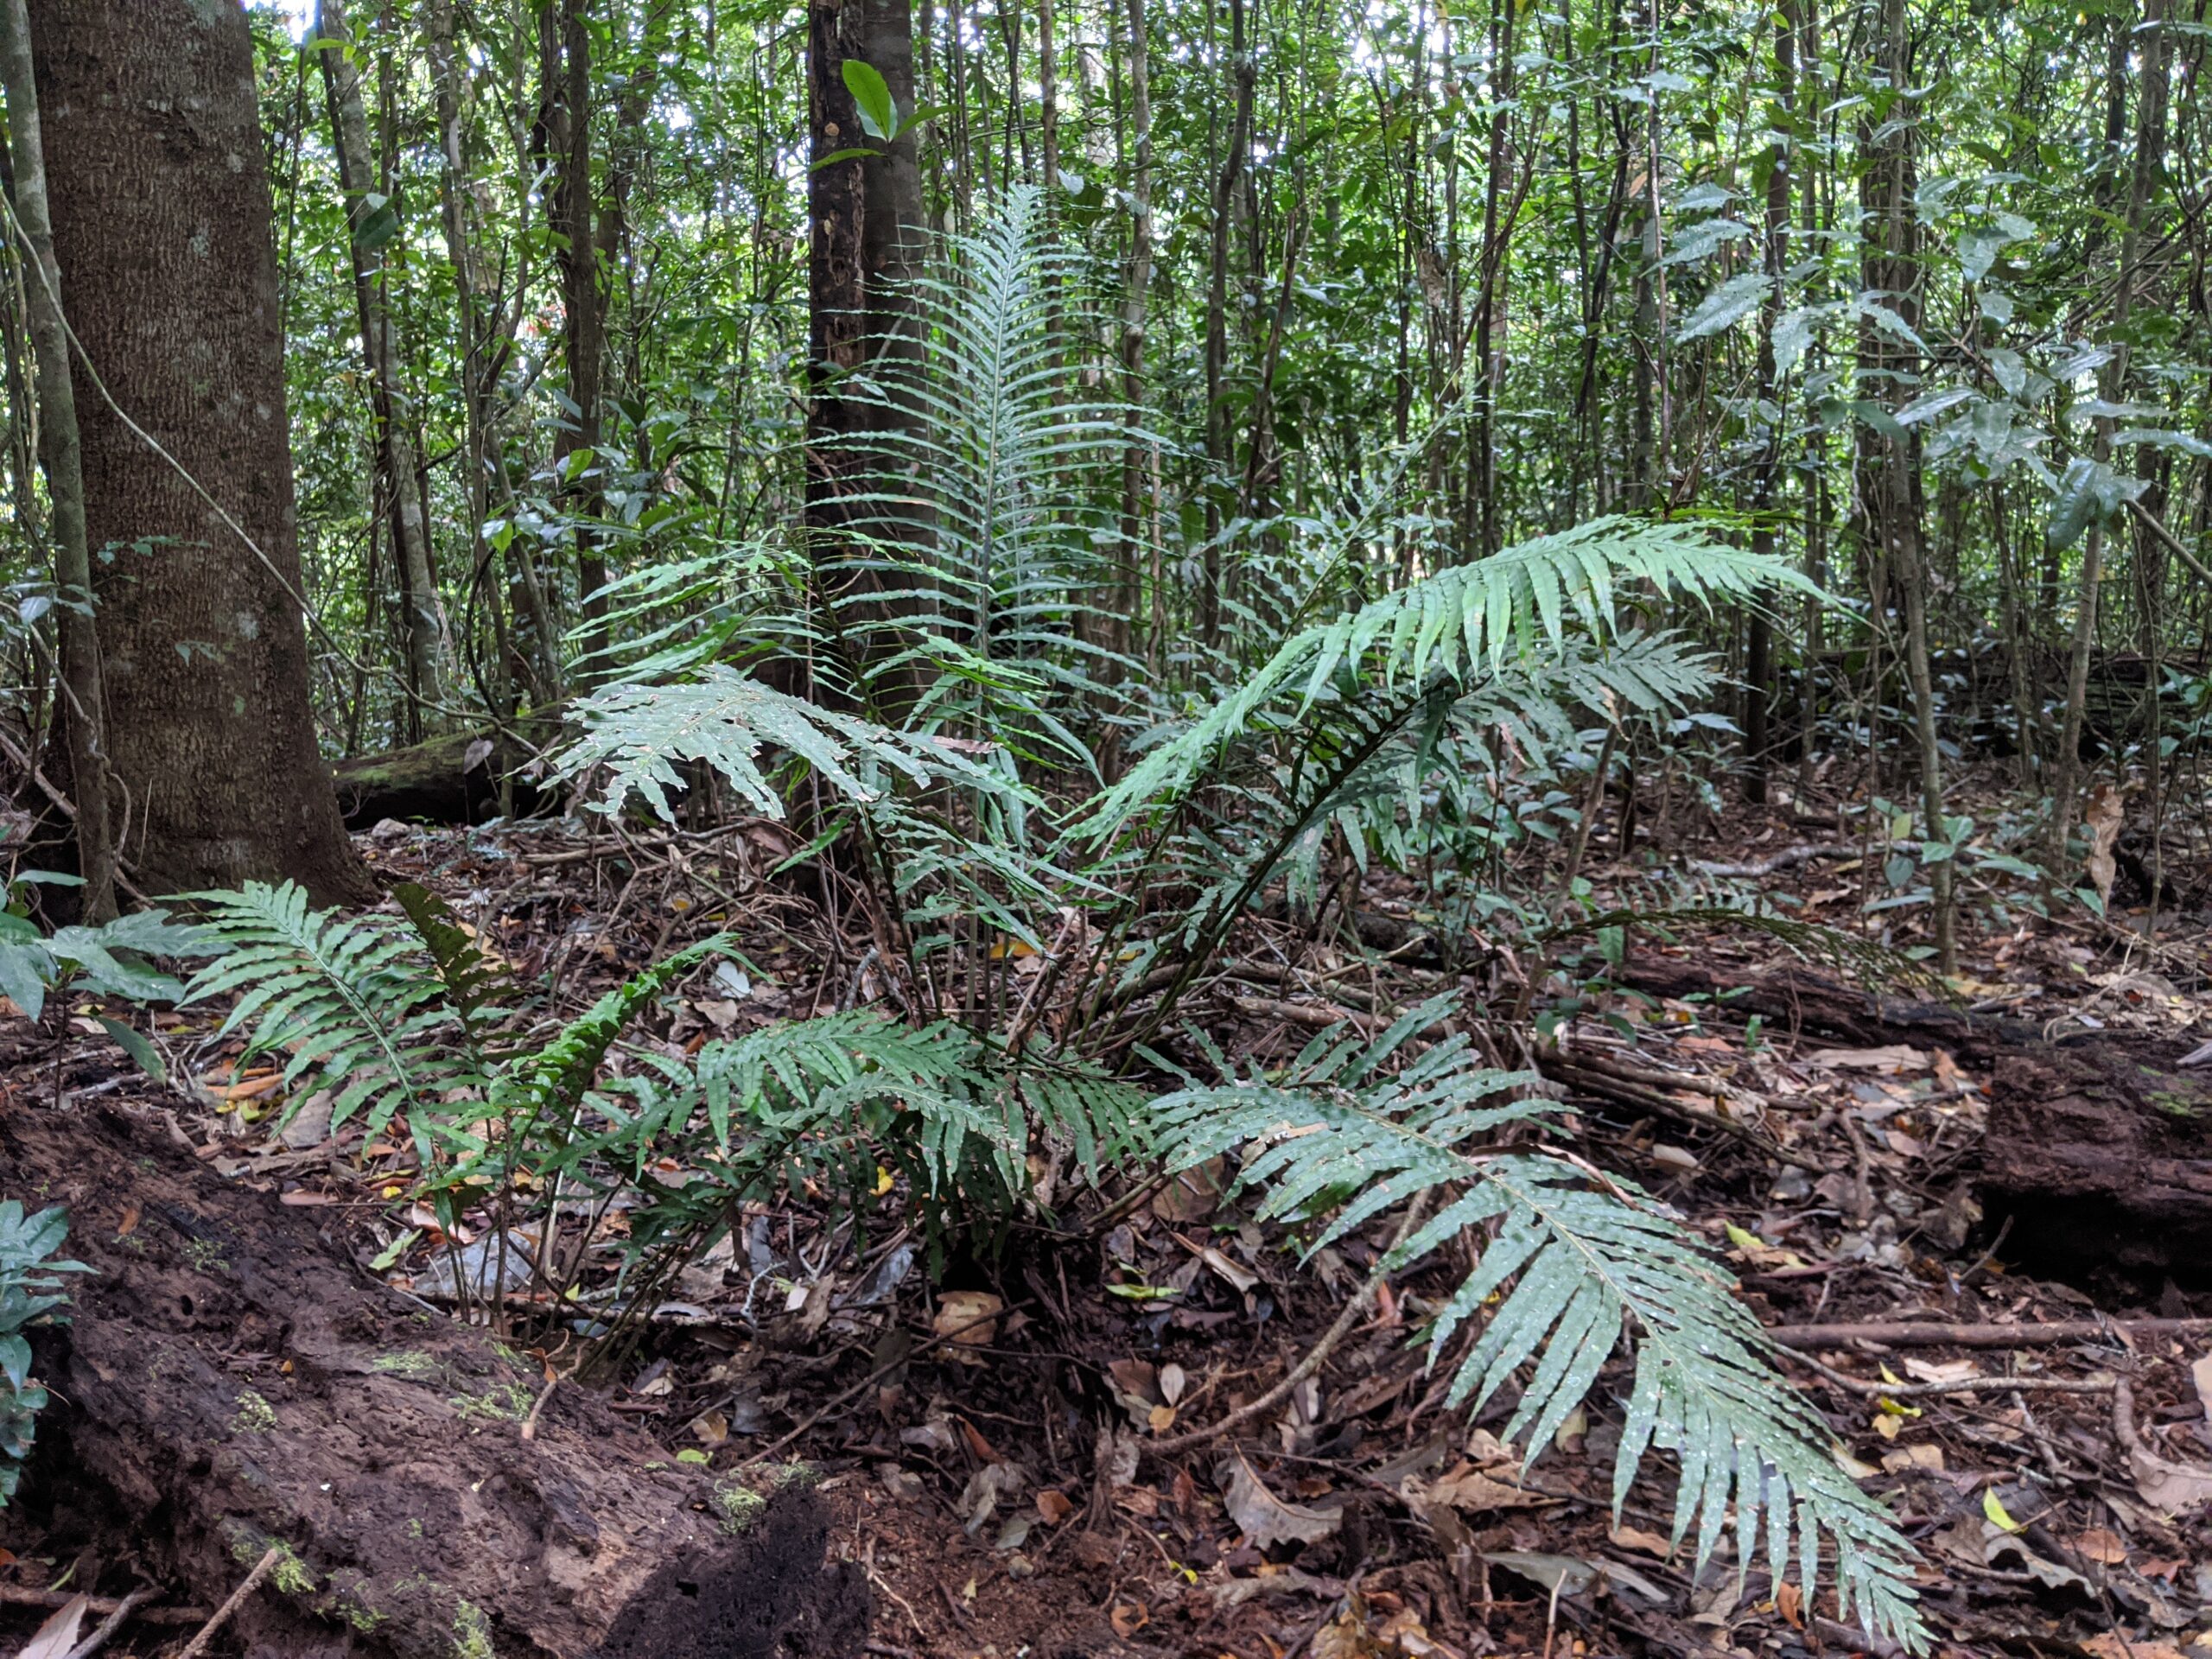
(231, 1381)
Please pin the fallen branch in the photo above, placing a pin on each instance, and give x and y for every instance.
(108, 1626)
(1636, 1097)
(1787, 858)
(1315, 1016)
(21, 1595)
(1898, 1333)
(221, 1616)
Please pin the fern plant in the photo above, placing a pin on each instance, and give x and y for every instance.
(1353, 1128)
(991, 479)
(30, 1294)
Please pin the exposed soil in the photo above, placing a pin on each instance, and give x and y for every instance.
(231, 1381)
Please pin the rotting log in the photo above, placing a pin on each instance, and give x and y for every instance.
(2101, 1153)
(432, 780)
(1794, 998)
(231, 1381)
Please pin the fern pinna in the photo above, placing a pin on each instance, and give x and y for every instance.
(1340, 1136)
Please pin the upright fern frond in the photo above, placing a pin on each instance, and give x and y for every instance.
(351, 1001)
(1338, 1139)
(993, 470)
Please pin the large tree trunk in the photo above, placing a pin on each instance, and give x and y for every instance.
(161, 220)
(868, 240)
(230, 1382)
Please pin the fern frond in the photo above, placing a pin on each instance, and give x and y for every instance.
(354, 1002)
(473, 979)
(1500, 620)
(725, 718)
(1338, 1139)
(1469, 618)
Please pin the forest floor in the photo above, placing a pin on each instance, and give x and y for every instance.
(983, 1443)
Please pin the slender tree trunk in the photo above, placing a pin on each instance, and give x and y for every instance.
(868, 240)
(1048, 106)
(1135, 295)
(1891, 269)
(1218, 431)
(367, 219)
(83, 699)
(164, 229)
(2149, 130)
(1489, 332)
(1758, 649)
(564, 79)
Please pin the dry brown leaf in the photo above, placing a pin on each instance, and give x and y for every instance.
(1129, 1617)
(1914, 1457)
(2101, 818)
(2202, 1372)
(1054, 1506)
(1469, 1489)
(2108, 1644)
(1262, 1517)
(2102, 1545)
(1886, 1061)
(967, 1319)
(1652, 1543)
(1789, 1602)
(58, 1635)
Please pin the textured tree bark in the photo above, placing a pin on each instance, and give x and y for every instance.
(410, 530)
(564, 69)
(83, 696)
(1136, 294)
(231, 1381)
(162, 220)
(1758, 696)
(1890, 267)
(868, 239)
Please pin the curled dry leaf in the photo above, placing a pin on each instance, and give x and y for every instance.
(1262, 1517)
(967, 1319)
(58, 1635)
(1054, 1506)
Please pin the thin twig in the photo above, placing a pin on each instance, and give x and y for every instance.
(1177, 1443)
(1901, 1333)
(262, 1569)
(22, 1595)
(1880, 1390)
(108, 1626)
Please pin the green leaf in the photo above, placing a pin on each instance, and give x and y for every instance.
(136, 1044)
(377, 223)
(872, 99)
(26, 969)
(1725, 306)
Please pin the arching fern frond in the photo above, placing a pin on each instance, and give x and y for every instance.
(1503, 621)
(349, 1001)
(1339, 1138)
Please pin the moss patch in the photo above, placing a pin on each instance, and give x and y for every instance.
(502, 1402)
(256, 1416)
